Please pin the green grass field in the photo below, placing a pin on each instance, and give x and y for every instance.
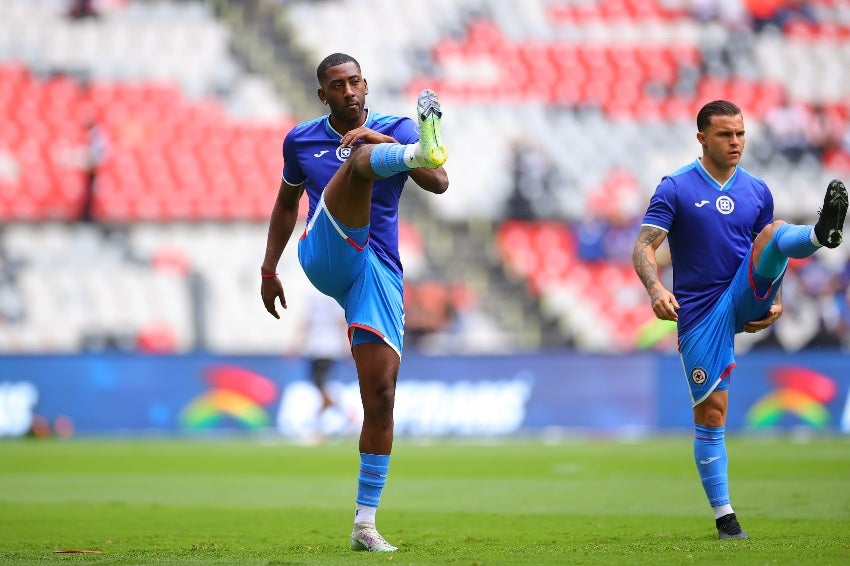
(266, 502)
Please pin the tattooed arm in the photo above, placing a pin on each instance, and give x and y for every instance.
(663, 302)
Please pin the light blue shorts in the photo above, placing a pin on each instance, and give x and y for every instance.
(340, 263)
(707, 349)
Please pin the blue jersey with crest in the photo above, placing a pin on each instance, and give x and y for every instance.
(710, 229)
(312, 154)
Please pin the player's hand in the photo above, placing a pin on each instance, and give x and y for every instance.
(270, 289)
(756, 325)
(664, 304)
(364, 134)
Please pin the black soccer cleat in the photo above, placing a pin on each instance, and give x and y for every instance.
(728, 527)
(830, 226)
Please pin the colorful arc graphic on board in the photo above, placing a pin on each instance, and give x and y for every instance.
(235, 393)
(801, 392)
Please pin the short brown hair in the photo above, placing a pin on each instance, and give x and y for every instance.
(715, 108)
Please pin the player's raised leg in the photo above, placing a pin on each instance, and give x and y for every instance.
(388, 159)
(781, 240)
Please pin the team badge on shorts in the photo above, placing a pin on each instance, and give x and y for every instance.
(698, 376)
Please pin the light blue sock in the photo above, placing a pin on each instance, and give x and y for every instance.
(712, 464)
(772, 264)
(794, 240)
(372, 477)
(387, 159)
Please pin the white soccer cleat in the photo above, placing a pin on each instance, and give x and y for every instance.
(366, 537)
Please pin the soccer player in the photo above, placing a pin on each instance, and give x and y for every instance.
(729, 257)
(353, 164)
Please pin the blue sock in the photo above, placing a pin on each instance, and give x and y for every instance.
(712, 464)
(372, 477)
(794, 240)
(772, 264)
(387, 159)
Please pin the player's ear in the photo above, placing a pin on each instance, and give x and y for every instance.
(366, 85)
(701, 139)
(321, 94)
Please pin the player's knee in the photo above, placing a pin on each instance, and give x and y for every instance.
(380, 400)
(711, 412)
(714, 418)
(768, 230)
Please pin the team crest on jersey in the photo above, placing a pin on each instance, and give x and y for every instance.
(698, 376)
(724, 204)
(342, 153)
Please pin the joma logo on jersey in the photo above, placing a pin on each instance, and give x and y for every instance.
(342, 153)
(724, 204)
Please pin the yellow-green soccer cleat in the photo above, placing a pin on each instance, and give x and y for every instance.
(366, 537)
(429, 115)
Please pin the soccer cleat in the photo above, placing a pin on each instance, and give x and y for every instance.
(429, 115)
(728, 527)
(830, 226)
(366, 537)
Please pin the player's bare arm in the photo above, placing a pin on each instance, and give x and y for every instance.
(664, 303)
(282, 223)
(432, 180)
(365, 135)
(772, 315)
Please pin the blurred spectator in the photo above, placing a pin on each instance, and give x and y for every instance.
(324, 343)
(96, 152)
(730, 13)
(533, 174)
(81, 9)
(452, 322)
(788, 128)
(779, 13)
(428, 309)
(613, 217)
(825, 130)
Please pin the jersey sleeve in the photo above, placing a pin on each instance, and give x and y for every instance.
(662, 206)
(292, 172)
(405, 131)
(766, 213)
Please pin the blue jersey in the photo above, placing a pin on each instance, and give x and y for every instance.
(312, 154)
(710, 229)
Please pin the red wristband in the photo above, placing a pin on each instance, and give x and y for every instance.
(268, 275)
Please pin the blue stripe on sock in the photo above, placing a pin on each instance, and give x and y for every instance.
(372, 477)
(712, 463)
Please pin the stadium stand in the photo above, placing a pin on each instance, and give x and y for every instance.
(603, 93)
